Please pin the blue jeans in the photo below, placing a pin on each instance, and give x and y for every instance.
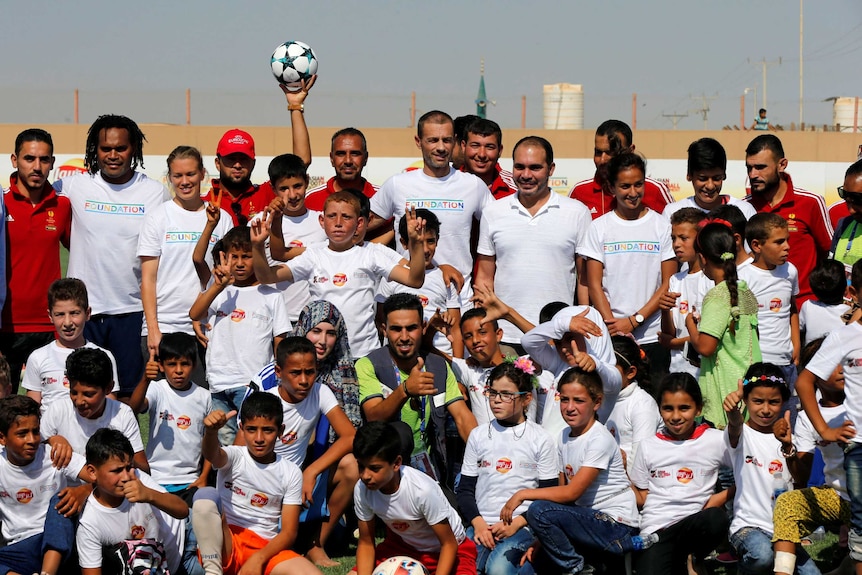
(229, 400)
(563, 528)
(506, 555)
(754, 548)
(25, 556)
(121, 335)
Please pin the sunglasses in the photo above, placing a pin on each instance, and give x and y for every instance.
(854, 198)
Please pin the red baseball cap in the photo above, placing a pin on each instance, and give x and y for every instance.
(236, 142)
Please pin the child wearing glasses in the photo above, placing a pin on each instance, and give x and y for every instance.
(505, 455)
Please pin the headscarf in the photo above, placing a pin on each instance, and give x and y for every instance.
(336, 371)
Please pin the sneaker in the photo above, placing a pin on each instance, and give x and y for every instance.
(727, 558)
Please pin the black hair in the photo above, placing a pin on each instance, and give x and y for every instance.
(714, 242)
(262, 404)
(480, 127)
(732, 214)
(760, 226)
(549, 310)
(762, 374)
(761, 111)
(91, 367)
(68, 289)
(218, 249)
(691, 216)
(680, 381)
(765, 142)
(522, 380)
(286, 166)
(33, 135)
(462, 125)
(350, 132)
(14, 406)
(178, 345)
(855, 170)
(625, 161)
(377, 439)
(106, 443)
(108, 122)
(809, 350)
(828, 281)
(706, 154)
(589, 379)
(291, 345)
(434, 117)
(237, 238)
(478, 313)
(402, 301)
(629, 354)
(538, 142)
(613, 129)
(432, 224)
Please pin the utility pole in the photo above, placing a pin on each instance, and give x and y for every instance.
(764, 64)
(675, 118)
(704, 108)
(801, 119)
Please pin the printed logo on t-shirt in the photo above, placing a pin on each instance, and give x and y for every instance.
(753, 460)
(775, 304)
(237, 315)
(184, 421)
(166, 415)
(289, 437)
(24, 496)
(437, 204)
(114, 209)
(319, 279)
(339, 280)
(182, 237)
(853, 362)
(296, 244)
(424, 299)
(569, 471)
(775, 466)
(683, 307)
(632, 247)
(400, 525)
(659, 473)
(504, 465)
(684, 475)
(138, 531)
(259, 500)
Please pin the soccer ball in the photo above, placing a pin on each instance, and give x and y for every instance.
(400, 566)
(292, 62)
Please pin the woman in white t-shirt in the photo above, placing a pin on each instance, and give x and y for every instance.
(507, 454)
(674, 477)
(593, 508)
(630, 260)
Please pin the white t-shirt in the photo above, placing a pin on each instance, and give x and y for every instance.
(816, 319)
(773, 290)
(244, 322)
(300, 419)
(807, 440)
(746, 208)
(176, 431)
(46, 371)
(171, 233)
(475, 379)
(106, 221)
(456, 199)
(506, 459)
(633, 419)
(756, 458)
(61, 418)
(300, 232)
(411, 510)
(252, 494)
(349, 281)
(536, 250)
(26, 491)
(690, 300)
(631, 252)
(610, 492)
(102, 526)
(434, 295)
(843, 346)
(680, 476)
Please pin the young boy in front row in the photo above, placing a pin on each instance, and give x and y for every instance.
(126, 504)
(36, 506)
(255, 489)
(422, 524)
(344, 272)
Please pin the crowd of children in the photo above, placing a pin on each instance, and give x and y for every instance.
(665, 417)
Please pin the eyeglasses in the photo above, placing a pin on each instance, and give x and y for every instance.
(854, 198)
(504, 396)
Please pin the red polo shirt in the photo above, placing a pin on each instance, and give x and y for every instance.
(810, 230)
(316, 198)
(589, 192)
(34, 234)
(255, 199)
(837, 211)
(503, 184)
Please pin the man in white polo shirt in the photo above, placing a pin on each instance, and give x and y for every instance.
(457, 198)
(528, 241)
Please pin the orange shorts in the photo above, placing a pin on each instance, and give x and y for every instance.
(245, 544)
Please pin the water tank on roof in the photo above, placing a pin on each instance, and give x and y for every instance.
(563, 106)
(843, 112)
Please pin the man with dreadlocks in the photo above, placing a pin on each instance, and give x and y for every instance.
(108, 206)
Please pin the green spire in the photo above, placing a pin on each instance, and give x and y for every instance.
(481, 101)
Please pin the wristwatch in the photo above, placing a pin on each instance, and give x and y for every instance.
(639, 318)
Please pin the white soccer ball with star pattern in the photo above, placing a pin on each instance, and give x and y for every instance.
(293, 62)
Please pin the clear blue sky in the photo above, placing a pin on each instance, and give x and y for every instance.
(137, 58)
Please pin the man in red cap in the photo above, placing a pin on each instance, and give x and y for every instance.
(235, 163)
